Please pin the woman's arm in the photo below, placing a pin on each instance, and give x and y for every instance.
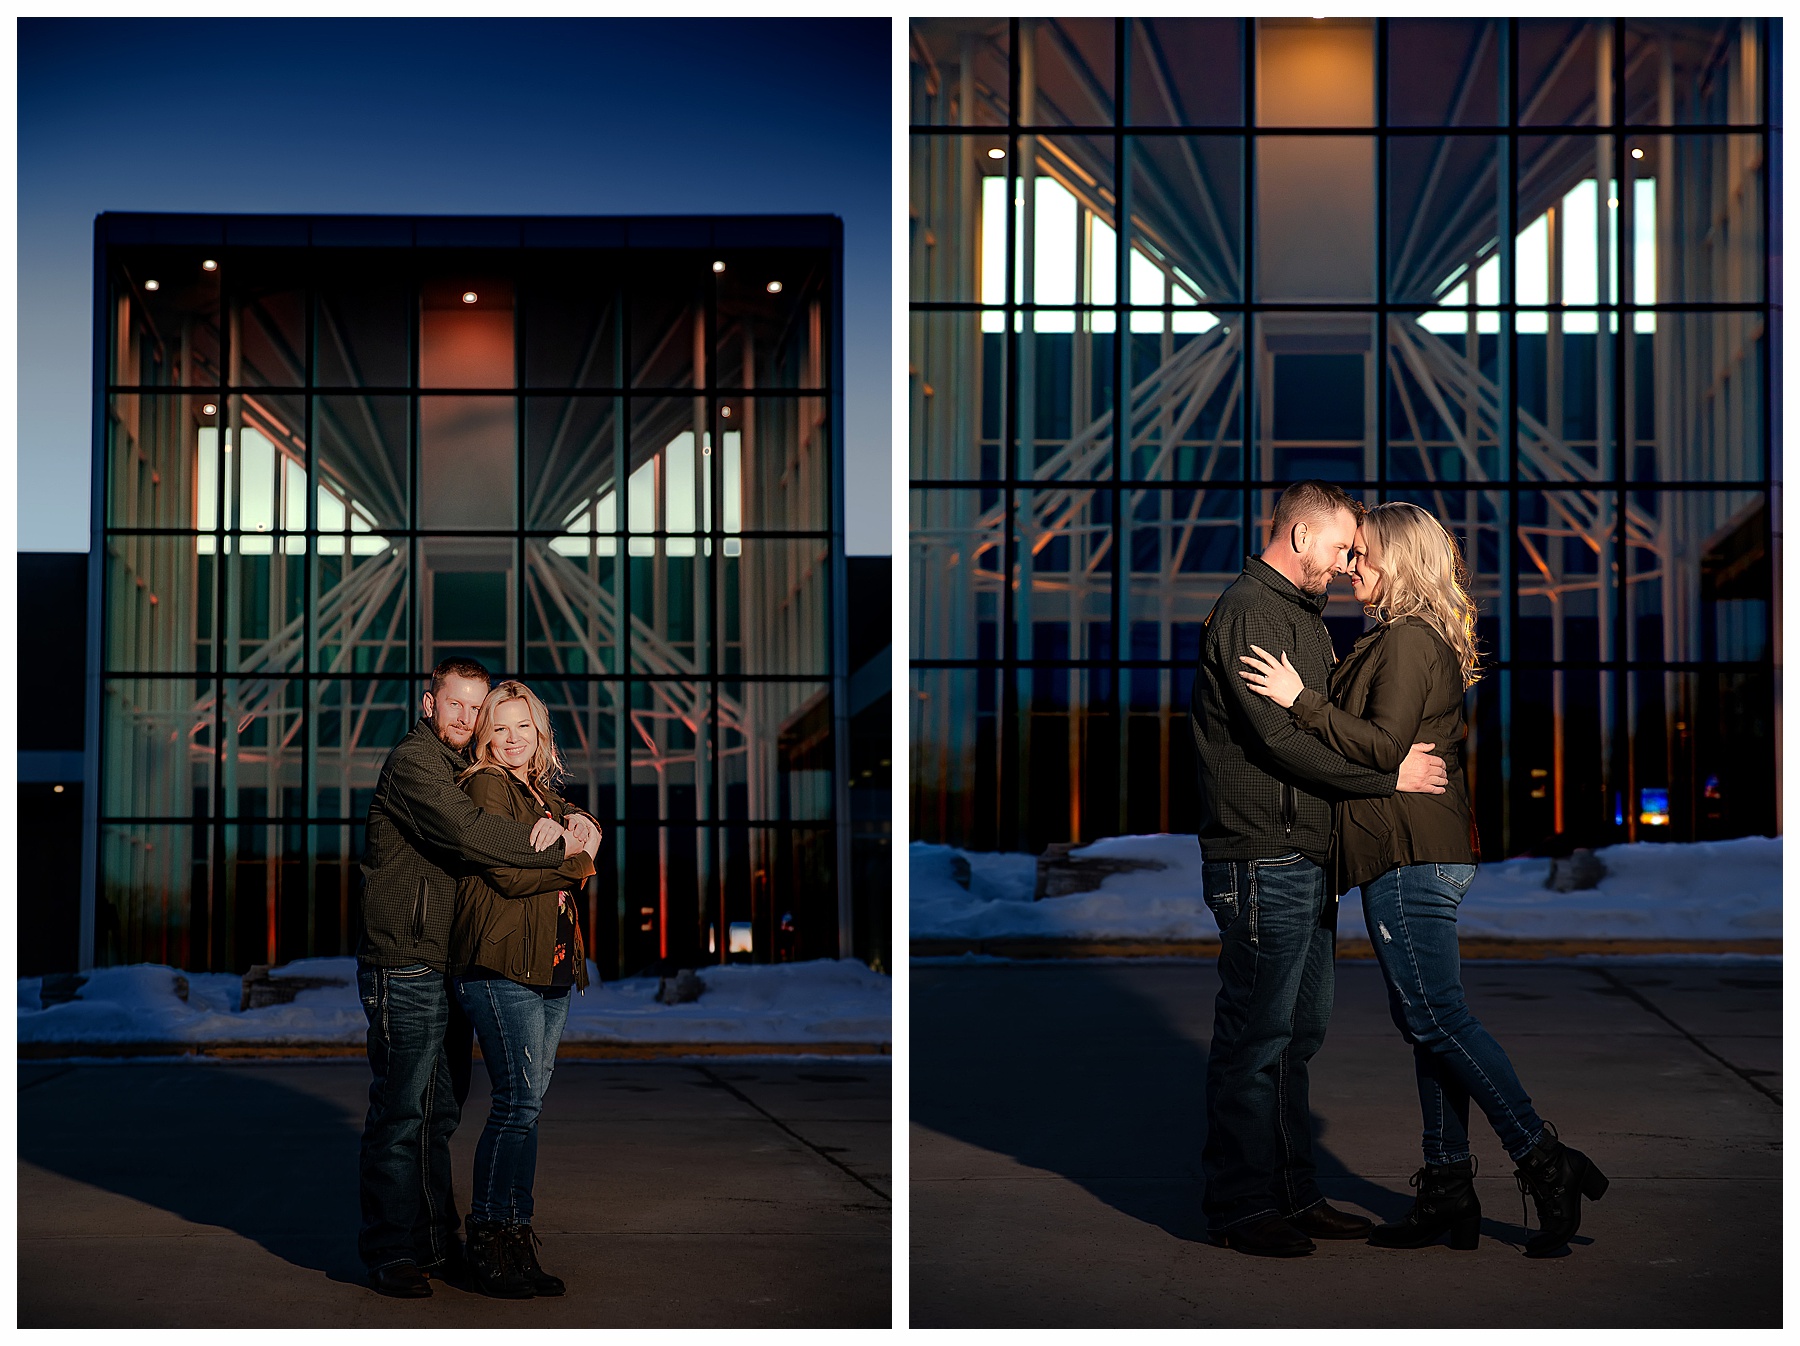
(491, 793)
(1382, 735)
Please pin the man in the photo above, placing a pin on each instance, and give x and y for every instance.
(423, 832)
(1265, 821)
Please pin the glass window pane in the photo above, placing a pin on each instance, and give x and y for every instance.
(1187, 236)
(267, 291)
(362, 463)
(775, 751)
(363, 619)
(154, 882)
(1444, 72)
(1184, 547)
(162, 461)
(1315, 212)
(1704, 241)
(165, 318)
(571, 605)
(357, 723)
(571, 446)
(574, 324)
(1319, 392)
(1315, 72)
(668, 319)
(159, 604)
(1072, 60)
(468, 601)
(1443, 418)
(1699, 574)
(1187, 405)
(468, 461)
(1565, 72)
(774, 608)
(157, 747)
(1696, 399)
(775, 472)
(958, 386)
(773, 312)
(1443, 218)
(1694, 71)
(1187, 72)
(466, 331)
(959, 71)
(956, 575)
(958, 225)
(362, 332)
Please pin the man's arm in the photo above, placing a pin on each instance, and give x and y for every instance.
(434, 806)
(488, 793)
(1295, 750)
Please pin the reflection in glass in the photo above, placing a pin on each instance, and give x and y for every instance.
(467, 462)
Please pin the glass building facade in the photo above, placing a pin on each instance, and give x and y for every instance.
(600, 455)
(1515, 271)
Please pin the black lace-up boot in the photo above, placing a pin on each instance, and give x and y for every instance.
(1557, 1177)
(492, 1265)
(522, 1243)
(1446, 1203)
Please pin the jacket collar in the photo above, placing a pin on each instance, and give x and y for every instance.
(1268, 576)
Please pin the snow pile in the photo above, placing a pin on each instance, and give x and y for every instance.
(783, 1003)
(1701, 890)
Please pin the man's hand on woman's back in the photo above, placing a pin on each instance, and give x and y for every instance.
(1422, 773)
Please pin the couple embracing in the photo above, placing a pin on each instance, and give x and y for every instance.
(1317, 777)
(469, 926)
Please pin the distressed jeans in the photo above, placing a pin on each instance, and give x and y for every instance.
(1277, 938)
(519, 1027)
(1411, 914)
(419, 1057)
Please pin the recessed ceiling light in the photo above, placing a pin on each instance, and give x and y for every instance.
(1613, 201)
(1637, 152)
(718, 267)
(469, 296)
(724, 411)
(210, 409)
(209, 265)
(56, 789)
(774, 287)
(153, 285)
(996, 153)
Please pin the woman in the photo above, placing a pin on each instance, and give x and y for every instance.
(515, 950)
(1413, 856)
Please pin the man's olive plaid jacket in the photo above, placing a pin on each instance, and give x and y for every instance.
(424, 832)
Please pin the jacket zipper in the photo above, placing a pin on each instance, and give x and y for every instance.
(1289, 805)
(419, 910)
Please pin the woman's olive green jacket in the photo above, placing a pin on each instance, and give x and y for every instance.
(506, 918)
(1400, 684)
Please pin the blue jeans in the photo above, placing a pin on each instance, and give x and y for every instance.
(1277, 937)
(419, 1046)
(519, 1027)
(1411, 913)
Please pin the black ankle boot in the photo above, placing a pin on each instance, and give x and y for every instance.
(492, 1265)
(1557, 1177)
(1446, 1202)
(524, 1255)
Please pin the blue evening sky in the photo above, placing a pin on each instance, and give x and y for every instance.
(438, 116)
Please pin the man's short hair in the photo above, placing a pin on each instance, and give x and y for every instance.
(458, 667)
(1308, 501)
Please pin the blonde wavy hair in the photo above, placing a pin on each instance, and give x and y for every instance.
(1423, 575)
(546, 763)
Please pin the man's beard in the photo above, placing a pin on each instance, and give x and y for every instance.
(444, 738)
(1314, 581)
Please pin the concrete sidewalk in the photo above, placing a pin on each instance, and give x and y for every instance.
(224, 1195)
(1058, 1113)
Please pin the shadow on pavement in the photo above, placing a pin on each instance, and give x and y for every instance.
(1101, 1088)
(219, 1146)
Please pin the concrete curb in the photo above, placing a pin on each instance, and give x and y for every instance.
(1528, 950)
(568, 1051)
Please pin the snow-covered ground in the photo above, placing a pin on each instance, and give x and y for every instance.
(1704, 890)
(786, 1004)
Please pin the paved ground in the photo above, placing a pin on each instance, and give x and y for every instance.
(214, 1195)
(1058, 1112)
